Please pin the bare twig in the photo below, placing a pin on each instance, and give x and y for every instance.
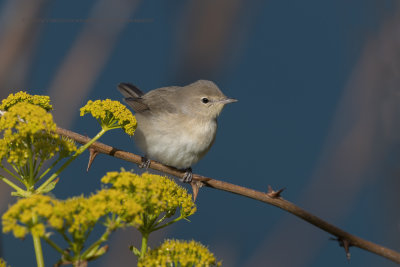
(346, 238)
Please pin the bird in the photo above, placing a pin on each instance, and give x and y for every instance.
(176, 125)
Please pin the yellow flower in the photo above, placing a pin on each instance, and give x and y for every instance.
(28, 130)
(38, 100)
(179, 253)
(154, 193)
(26, 216)
(119, 203)
(74, 218)
(111, 115)
(78, 215)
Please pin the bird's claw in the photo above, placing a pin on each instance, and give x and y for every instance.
(187, 177)
(145, 163)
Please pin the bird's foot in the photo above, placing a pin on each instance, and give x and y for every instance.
(145, 163)
(188, 176)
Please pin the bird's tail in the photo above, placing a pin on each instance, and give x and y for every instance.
(133, 97)
(129, 90)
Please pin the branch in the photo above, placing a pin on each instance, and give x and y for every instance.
(271, 197)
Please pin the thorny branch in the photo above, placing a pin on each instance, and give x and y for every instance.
(271, 197)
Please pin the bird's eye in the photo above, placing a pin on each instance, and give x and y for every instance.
(204, 100)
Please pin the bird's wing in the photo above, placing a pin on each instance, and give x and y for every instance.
(133, 97)
(162, 100)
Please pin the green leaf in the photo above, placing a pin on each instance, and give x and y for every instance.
(134, 251)
(97, 253)
(49, 187)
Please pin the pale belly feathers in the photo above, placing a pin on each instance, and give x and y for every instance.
(172, 143)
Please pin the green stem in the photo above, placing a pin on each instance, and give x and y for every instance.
(17, 170)
(49, 168)
(62, 232)
(77, 153)
(168, 223)
(34, 168)
(38, 168)
(92, 249)
(145, 230)
(16, 187)
(161, 219)
(31, 178)
(143, 249)
(12, 174)
(38, 246)
(38, 251)
(56, 247)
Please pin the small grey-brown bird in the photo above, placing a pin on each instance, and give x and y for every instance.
(176, 125)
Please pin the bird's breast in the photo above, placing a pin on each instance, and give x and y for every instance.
(174, 140)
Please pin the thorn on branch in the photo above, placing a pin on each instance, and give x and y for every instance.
(274, 194)
(92, 156)
(345, 244)
(196, 185)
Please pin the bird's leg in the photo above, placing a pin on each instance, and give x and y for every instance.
(187, 178)
(145, 163)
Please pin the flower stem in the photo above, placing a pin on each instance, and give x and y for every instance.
(49, 168)
(31, 179)
(93, 248)
(38, 251)
(38, 246)
(16, 187)
(143, 250)
(10, 173)
(168, 223)
(56, 247)
(77, 153)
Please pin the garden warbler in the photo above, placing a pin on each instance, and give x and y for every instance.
(176, 125)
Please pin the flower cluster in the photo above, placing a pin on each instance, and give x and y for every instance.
(179, 253)
(156, 194)
(118, 203)
(38, 100)
(27, 214)
(76, 215)
(129, 199)
(28, 138)
(27, 131)
(111, 114)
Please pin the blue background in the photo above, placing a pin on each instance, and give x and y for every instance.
(293, 66)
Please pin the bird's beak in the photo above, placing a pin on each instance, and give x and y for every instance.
(227, 100)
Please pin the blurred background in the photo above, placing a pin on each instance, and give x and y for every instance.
(318, 113)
